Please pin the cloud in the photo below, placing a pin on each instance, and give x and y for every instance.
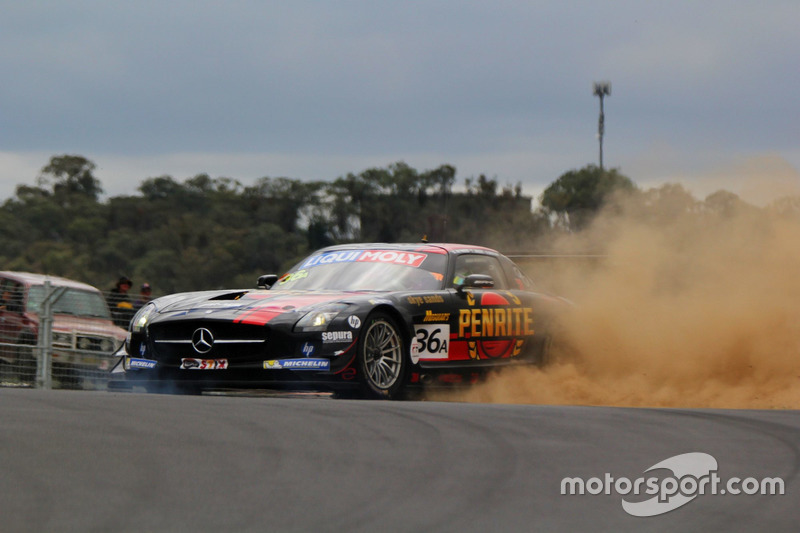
(372, 83)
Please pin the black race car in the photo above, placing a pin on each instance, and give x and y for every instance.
(362, 319)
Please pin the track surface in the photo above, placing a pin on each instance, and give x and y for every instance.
(98, 461)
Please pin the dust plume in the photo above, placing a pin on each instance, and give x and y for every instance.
(693, 304)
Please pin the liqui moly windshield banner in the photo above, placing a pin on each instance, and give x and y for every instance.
(367, 256)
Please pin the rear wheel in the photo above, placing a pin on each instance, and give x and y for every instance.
(382, 358)
(556, 345)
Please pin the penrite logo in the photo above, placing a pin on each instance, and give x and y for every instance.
(693, 474)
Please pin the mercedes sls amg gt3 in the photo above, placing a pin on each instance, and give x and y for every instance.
(373, 320)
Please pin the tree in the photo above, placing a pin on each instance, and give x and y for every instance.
(160, 188)
(725, 203)
(383, 204)
(669, 202)
(578, 195)
(206, 232)
(70, 176)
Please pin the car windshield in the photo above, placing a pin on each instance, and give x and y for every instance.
(367, 270)
(72, 302)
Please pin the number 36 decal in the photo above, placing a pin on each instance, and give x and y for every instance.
(430, 341)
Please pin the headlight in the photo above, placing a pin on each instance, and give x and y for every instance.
(140, 319)
(107, 345)
(318, 319)
(62, 339)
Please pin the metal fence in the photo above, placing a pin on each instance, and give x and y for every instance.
(57, 334)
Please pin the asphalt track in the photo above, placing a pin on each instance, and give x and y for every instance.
(101, 461)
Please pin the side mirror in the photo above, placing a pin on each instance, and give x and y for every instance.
(476, 281)
(266, 281)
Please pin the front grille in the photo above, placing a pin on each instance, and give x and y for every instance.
(242, 342)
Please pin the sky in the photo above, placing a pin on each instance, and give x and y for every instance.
(703, 93)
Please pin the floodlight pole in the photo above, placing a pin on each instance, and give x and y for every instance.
(601, 89)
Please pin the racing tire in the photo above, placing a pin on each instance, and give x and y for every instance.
(556, 347)
(546, 353)
(382, 358)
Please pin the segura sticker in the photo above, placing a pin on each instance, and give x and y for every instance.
(297, 364)
(337, 336)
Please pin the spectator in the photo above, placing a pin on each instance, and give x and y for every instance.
(11, 300)
(5, 300)
(144, 296)
(120, 302)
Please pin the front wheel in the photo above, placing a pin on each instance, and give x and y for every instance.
(382, 359)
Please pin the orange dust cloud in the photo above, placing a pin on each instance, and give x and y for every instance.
(693, 304)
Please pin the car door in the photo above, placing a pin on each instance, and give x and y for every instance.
(492, 320)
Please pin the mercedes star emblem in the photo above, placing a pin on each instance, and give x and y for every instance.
(202, 340)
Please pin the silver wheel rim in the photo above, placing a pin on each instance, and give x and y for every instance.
(383, 355)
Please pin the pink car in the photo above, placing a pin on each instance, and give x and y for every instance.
(84, 337)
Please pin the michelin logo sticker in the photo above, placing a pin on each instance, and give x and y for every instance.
(297, 364)
(141, 363)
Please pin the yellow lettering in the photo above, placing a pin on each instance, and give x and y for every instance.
(500, 323)
(488, 322)
(517, 321)
(476, 323)
(528, 321)
(463, 321)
